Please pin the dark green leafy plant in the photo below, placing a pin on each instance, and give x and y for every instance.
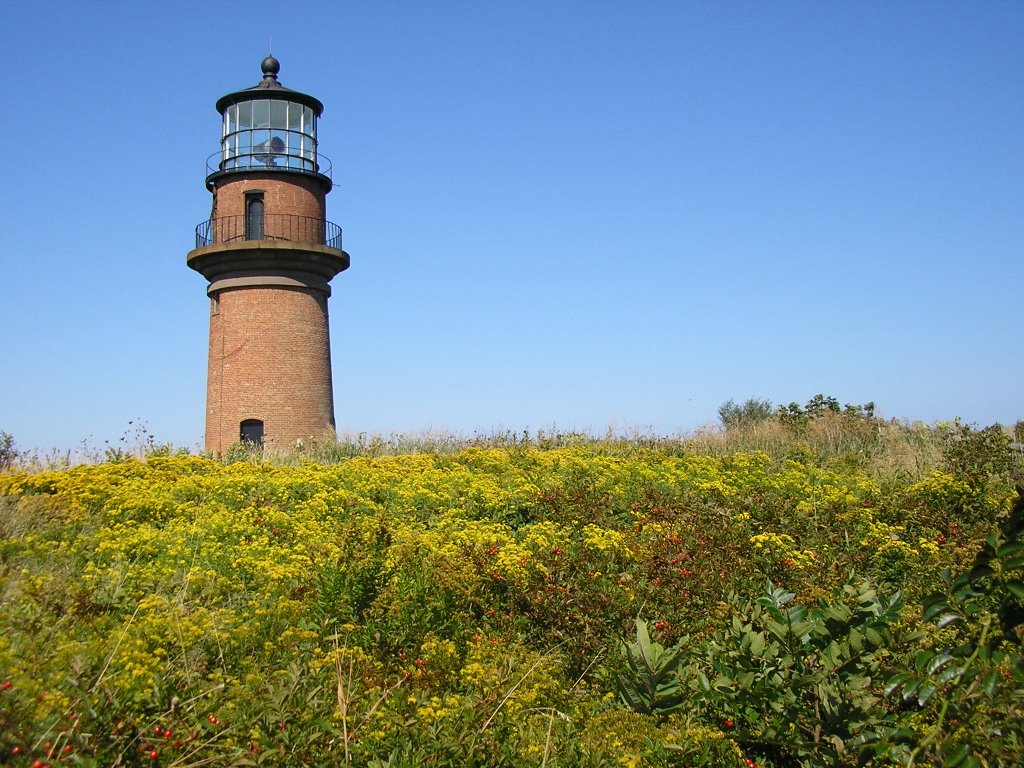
(821, 404)
(972, 691)
(652, 685)
(797, 683)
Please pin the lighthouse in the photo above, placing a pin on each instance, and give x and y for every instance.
(269, 254)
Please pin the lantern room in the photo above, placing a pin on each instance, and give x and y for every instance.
(268, 128)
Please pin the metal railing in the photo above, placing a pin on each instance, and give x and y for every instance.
(270, 226)
(285, 160)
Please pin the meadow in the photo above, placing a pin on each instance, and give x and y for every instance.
(810, 587)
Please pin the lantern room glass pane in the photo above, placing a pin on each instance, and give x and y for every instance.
(260, 114)
(279, 114)
(245, 115)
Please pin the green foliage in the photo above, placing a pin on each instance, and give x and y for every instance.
(752, 411)
(243, 451)
(8, 453)
(652, 685)
(976, 454)
(460, 605)
(970, 691)
(819, 406)
(798, 683)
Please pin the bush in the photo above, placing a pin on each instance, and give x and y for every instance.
(752, 411)
(8, 453)
(973, 455)
(967, 693)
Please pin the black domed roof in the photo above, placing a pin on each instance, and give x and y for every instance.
(269, 88)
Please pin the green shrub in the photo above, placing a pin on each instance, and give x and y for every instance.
(752, 411)
(798, 684)
(967, 696)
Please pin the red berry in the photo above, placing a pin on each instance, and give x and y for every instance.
(6, 685)
(15, 750)
(728, 722)
(153, 754)
(38, 764)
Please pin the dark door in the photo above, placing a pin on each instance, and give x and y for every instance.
(252, 432)
(254, 219)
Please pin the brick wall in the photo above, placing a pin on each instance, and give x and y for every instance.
(293, 194)
(270, 359)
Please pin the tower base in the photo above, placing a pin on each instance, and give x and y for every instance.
(269, 375)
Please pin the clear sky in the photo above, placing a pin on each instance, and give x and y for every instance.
(571, 214)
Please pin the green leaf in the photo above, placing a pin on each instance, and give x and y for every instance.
(950, 673)
(1009, 549)
(1014, 563)
(895, 682)
(980, 572)
(838, 612)
(959, 583)
(947, 619)
(643, 640)
(778, 629)
(924, 693)
(935, 608)
(911, 689)
(632, 696)
(988, 685)
(1016, 588)
(723, 684)
(856, 641)
(757, 644)
(955, 755)
(938, 661)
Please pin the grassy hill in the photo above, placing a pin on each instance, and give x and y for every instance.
(772, 594)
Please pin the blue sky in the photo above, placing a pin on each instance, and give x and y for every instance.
(573, 214)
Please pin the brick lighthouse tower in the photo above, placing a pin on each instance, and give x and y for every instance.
(269, 254)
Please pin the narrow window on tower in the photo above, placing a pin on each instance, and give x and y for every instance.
(254, 215)
(251, 432)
